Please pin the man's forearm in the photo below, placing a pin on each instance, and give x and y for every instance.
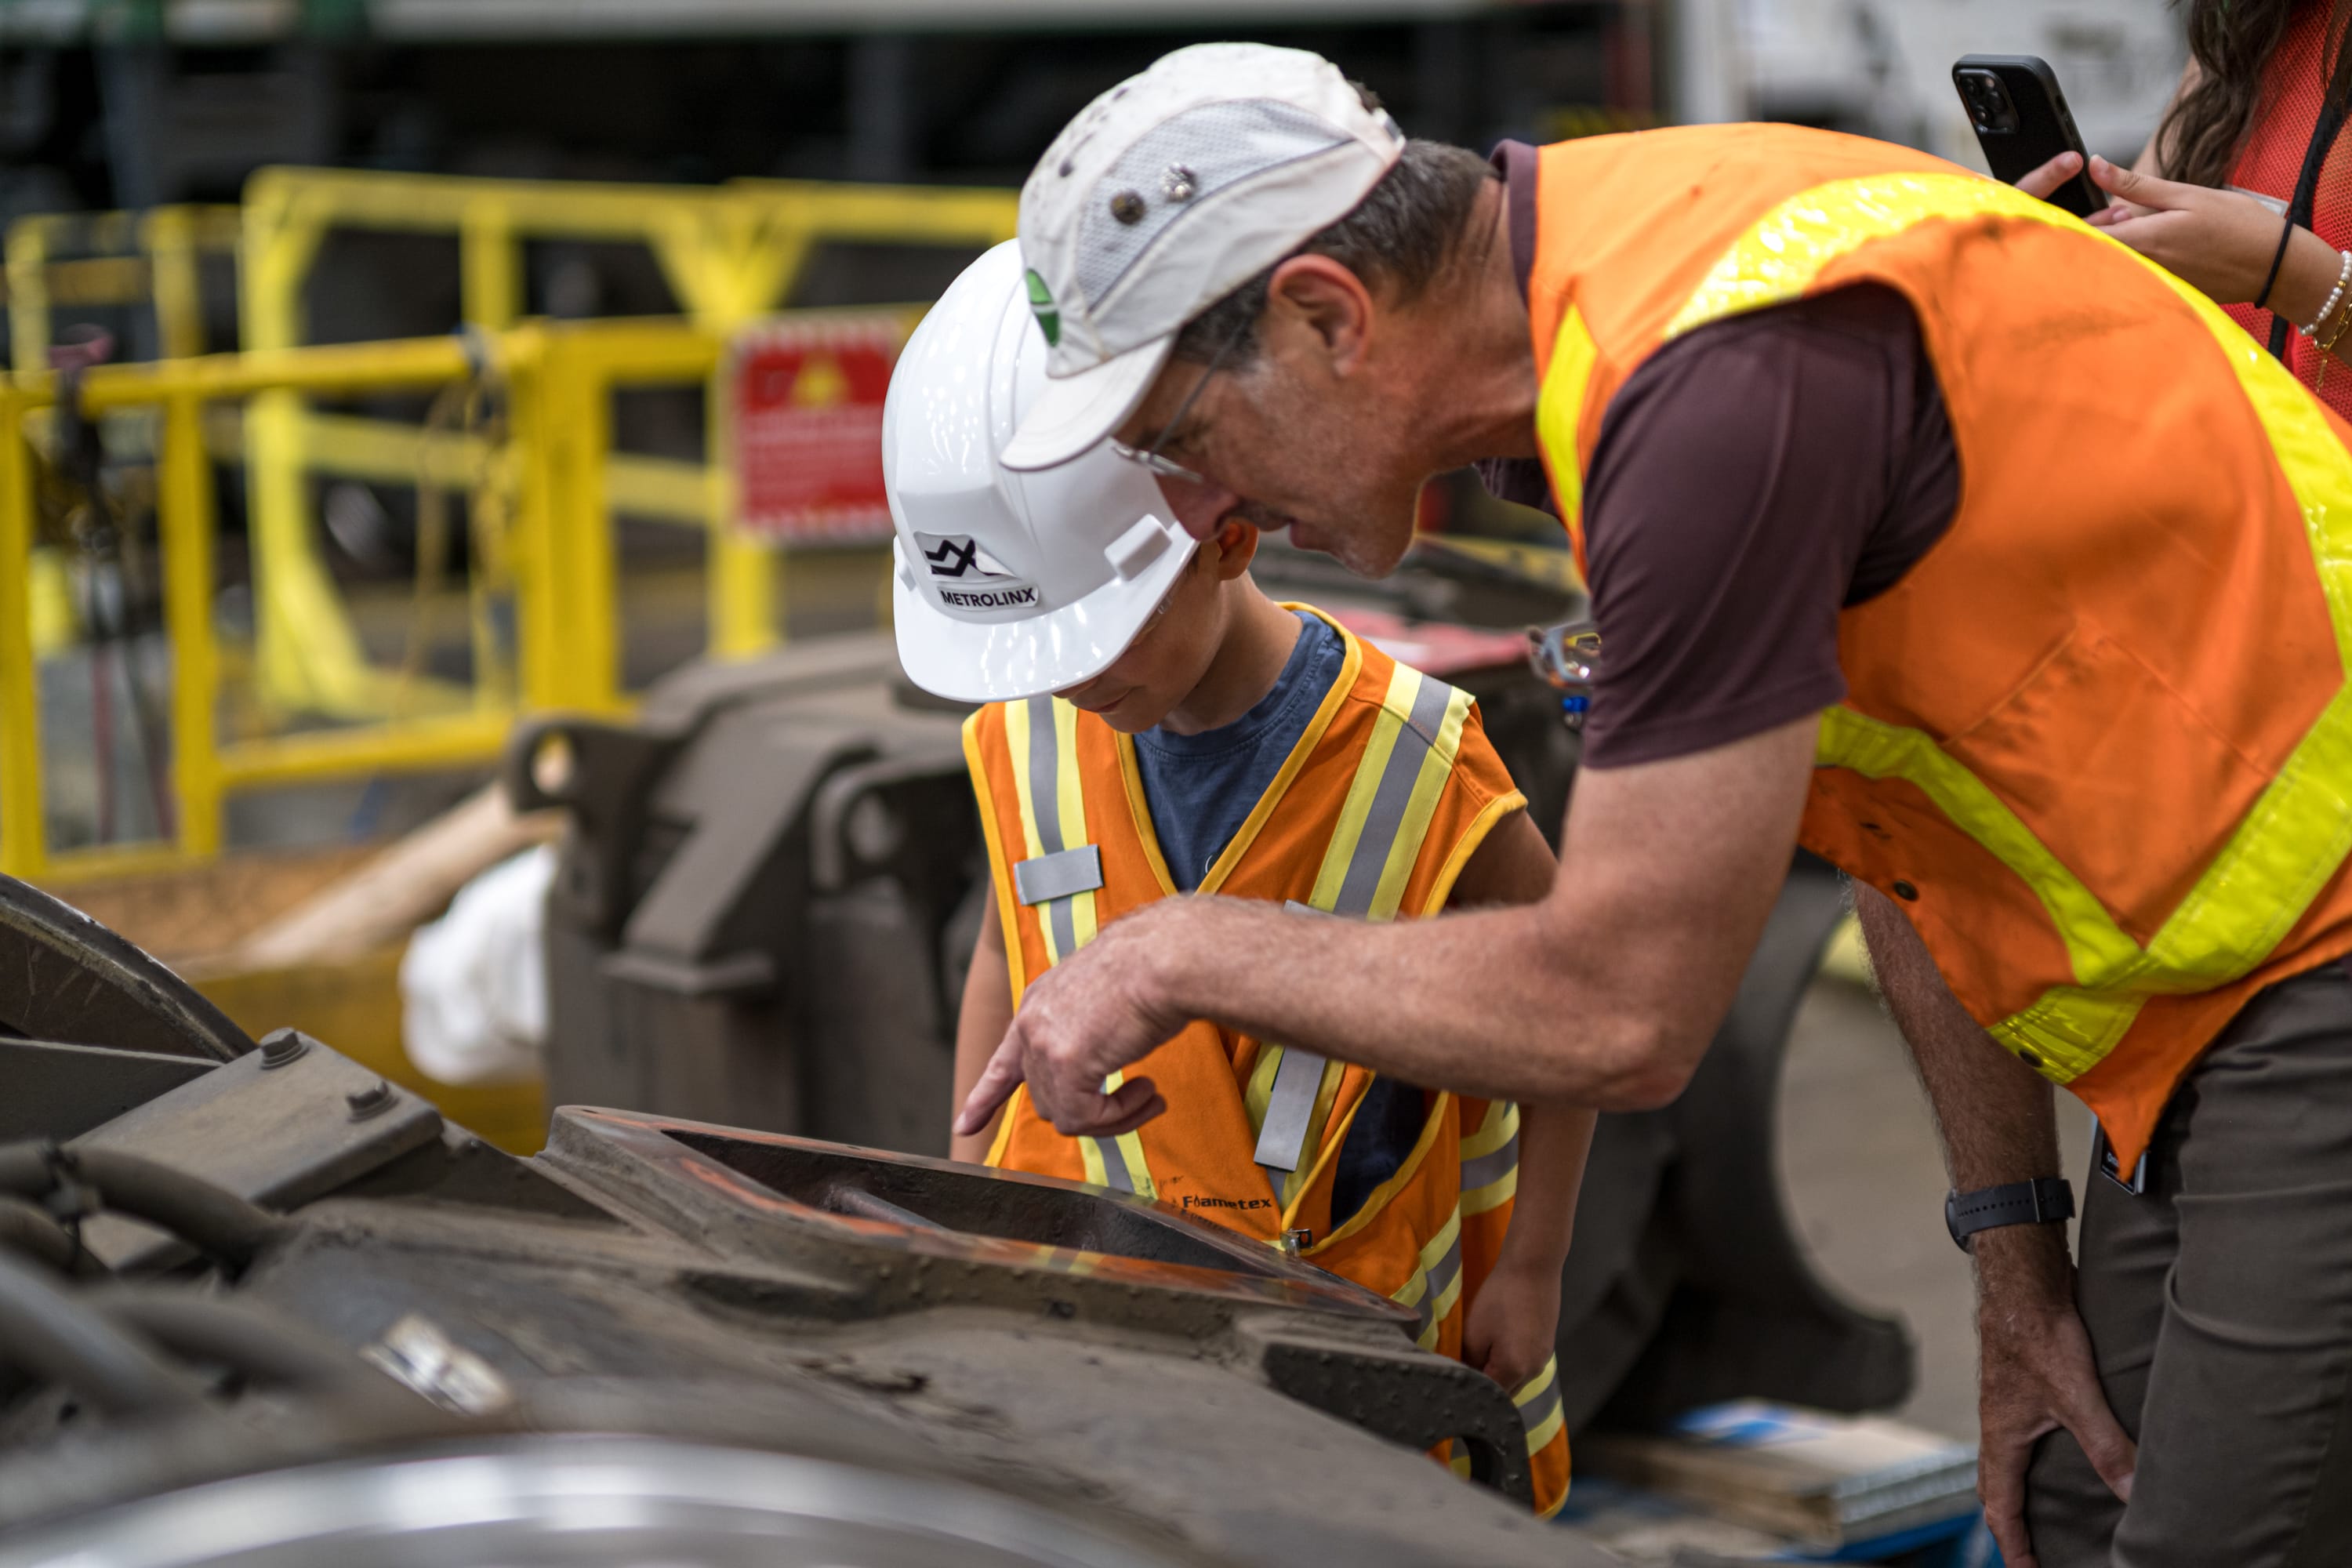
(1997, 1116)
(1604, 994)
(2035, 1369)
(1488, 1003)
(1554, 1141)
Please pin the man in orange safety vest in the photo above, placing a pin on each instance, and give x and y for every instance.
(1926, 527)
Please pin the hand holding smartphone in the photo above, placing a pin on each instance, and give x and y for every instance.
(2021, 123)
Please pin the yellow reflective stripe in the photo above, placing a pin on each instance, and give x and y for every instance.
(1534, 1386)
(1494, 1194)
(1559, 414)
(1789, 248)
(1071, 799)
(1490, 1160)
(2290, 845)
(1261, 1084)
(1327, 1091)
(2298, 834)
(1000, 863)
(1016, 743)
(1428, 788)
(2094, 943)
(1542, 1410)
(1436, 1282)
(1050, 825)
(1375, 842)
(1410, 1294)
(1130, 1147)
(1357, 807)
(1448, 1294)
(1500, 1127)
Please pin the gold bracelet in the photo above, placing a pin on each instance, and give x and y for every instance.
(2343, 323)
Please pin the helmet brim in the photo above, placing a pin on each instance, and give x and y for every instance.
(1005, 661)
(1074, 414)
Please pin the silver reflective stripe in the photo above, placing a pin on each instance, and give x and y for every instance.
(1538, 1410)
(1114, 1159)
(1069, 870)
(1290, 1106)
(1441, 1275)
(1488, 1169)
(1413, 743)
(1058, 876)
(1282, 1142)
(1045, 802)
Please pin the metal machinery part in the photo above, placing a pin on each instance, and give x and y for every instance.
(73, 979)
(586, 1500)
(771, 884)
(275, 1307)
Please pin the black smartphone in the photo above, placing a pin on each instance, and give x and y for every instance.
(2021, 123)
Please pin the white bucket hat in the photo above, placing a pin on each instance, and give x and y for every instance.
(1165, 194)
(1008, 585)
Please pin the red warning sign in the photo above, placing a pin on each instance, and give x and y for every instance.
(804, 403)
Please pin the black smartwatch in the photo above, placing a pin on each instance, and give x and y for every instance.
(2038, 1201)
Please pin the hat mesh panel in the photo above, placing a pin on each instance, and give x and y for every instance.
(1220, 143)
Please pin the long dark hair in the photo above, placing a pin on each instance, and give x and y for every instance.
(2231, 41)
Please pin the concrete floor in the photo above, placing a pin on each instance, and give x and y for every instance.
(1864, 1182)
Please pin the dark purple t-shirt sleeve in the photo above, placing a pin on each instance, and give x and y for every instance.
(1750, 480)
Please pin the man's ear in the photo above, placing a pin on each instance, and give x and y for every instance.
(1318, 303)
(1236, 544)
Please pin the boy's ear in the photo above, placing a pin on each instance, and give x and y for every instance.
(1236, 544)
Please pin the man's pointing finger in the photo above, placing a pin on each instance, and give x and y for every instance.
(997, 1081)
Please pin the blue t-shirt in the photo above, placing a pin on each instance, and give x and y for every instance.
(1200, 790)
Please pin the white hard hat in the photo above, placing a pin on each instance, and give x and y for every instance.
(1167, 194)
(1008, 585)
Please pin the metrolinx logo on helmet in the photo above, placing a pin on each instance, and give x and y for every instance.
(959, 557)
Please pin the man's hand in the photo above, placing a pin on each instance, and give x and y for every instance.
(1509, 1331)
(1088, 1016)
(2035, 1374)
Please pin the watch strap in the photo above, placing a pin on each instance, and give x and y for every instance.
(2038, 1201)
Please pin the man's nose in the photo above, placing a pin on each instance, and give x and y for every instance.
(1201, 508)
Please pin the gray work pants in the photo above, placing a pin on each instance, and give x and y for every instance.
(2219, 1306)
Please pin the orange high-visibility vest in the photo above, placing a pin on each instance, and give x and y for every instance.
(2098, 741)
(1372, 816)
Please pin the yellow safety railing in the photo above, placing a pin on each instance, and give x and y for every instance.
(58, 260)
(729, 254)
(561, 554)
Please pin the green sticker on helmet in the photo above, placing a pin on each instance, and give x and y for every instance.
(1041, 305)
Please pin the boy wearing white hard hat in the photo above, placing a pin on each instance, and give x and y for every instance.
(1155, 726)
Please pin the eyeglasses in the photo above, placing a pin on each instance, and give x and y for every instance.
(1149, 457)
